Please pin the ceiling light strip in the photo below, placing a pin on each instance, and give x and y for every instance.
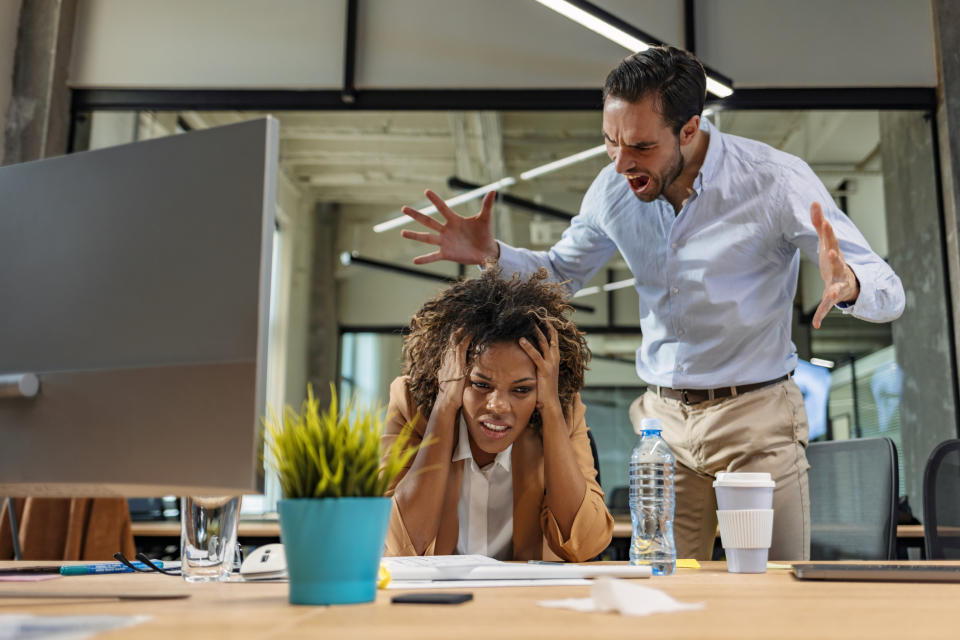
(563, 162)
(493, 186)
(610, 286)
(626, 35)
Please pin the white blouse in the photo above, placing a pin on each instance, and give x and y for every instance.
(485, 508)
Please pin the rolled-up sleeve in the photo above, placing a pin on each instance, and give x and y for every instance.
(881, 296)
(592, 527)
(400, 411)
(582, 250)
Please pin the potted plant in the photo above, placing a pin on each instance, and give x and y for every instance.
(333, 516)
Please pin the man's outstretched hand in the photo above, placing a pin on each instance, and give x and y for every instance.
(841, 283)
(463, 240)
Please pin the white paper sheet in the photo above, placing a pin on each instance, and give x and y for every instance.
(17, 627)
(479, 584)
(474, 567)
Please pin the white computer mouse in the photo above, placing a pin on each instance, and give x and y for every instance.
(268, 562)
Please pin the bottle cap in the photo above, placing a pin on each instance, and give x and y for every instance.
(651, 423)
(650, 432)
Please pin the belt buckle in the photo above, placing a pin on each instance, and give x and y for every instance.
(684, 398)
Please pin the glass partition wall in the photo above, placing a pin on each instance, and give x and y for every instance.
(345, 291)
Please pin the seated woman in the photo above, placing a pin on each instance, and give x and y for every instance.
(493, 370)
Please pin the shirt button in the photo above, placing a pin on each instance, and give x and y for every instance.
(674, 291)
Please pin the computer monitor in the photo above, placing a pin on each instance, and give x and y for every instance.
(814, 382)
(135, 284)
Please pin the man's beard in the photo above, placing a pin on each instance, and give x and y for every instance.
(666, 178)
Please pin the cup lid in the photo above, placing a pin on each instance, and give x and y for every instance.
(743, 479)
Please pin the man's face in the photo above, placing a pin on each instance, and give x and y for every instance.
(642, 147)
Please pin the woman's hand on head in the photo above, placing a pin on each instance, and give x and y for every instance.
(547, 361)
(452, 375)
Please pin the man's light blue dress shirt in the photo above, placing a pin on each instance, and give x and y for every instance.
(716, 282)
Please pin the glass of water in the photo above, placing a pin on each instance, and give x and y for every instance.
(208, 537)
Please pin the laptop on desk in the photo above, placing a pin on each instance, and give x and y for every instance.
(878, 571)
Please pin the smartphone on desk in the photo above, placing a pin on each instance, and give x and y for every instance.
(432, 598)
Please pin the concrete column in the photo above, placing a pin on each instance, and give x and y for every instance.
(323, 328)
(38, 117)
(9, 23)
(921, 335)
(946, 16)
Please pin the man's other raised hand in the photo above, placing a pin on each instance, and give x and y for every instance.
(841, 283)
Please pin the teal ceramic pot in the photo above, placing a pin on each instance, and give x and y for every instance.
(333, 547)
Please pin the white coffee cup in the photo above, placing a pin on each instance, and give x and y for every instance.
(745, 516)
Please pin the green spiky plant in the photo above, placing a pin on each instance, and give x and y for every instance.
(334, 453)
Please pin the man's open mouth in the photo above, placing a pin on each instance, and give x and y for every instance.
(639, 183)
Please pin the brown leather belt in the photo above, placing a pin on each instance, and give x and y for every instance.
(696, 396)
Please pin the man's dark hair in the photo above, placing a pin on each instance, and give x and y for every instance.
(673, 75)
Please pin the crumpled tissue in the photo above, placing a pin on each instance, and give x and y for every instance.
(611, 594)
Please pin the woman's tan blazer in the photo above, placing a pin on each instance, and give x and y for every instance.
(536, 534)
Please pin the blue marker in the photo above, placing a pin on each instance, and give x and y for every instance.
(102, 567)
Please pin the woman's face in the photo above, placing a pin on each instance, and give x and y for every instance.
(498, 399)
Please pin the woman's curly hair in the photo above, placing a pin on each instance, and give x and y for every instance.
(492, 310)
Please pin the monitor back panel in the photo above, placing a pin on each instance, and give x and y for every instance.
(134, 281)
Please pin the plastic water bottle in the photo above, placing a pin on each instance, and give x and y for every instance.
(652, 501)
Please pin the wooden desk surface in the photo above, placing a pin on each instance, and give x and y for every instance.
(622, 529)
(270, 528)
(771, 605)
(252, 528)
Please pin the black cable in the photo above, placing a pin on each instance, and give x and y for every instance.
(14, 532)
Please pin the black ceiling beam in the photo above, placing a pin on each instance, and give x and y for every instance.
(456, 183)
(488, 99)
(355, 258)
(690, 26)
(326, 100)
(881, 98)
(636, 32)
(349, 91)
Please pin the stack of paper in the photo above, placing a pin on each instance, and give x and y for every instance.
(431, 572)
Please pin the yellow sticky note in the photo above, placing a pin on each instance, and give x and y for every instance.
(383, 578)
(687, 563)
(777, 565)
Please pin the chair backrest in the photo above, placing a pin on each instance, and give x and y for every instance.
(941, 502)
(596, 456)
(853, 499)
(618, 501)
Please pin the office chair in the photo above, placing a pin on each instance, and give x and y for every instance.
(596, 456)
(941, 502)
(618, 501)
(853, 499)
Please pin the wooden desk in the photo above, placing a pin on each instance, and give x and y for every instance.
(245, 529)
(623, 529)
(271, 528)
(771, 605)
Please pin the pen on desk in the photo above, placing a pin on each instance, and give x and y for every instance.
(102, 567)
(543, 562)
(9, 571)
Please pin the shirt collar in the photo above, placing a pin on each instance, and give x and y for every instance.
(714, 150)
(463, 452)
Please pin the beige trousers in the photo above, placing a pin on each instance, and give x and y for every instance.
(763, 430)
